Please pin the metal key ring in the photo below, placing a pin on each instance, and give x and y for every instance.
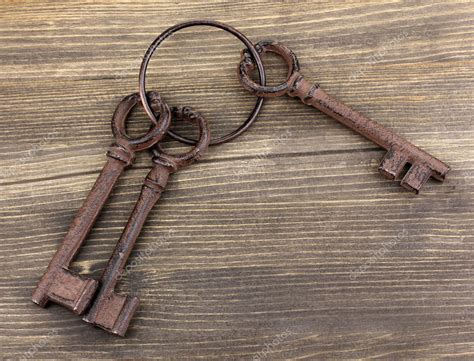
(157, 130)
(247, 65)
(176, 162)
(167, 33)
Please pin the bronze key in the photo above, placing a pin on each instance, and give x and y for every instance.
(399, 151)
(58, 283)
(112, 311)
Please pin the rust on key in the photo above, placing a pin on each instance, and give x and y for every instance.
(400, 151)
(59, 284)
(110, 310)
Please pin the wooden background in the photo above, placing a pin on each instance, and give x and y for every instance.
(283, 244)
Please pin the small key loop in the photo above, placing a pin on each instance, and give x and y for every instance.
(252, 51)
(157, 131)
(176, 162)
(247, 65)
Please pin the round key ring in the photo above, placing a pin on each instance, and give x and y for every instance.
(176, 162)
(157, 130)
(167, 33)
(247, 65)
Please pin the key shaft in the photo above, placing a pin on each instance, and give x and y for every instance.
(400, 152)
(312, 94)
(58, 284)
(112, 311)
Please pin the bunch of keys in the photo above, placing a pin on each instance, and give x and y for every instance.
(96, 300)
(109, 310)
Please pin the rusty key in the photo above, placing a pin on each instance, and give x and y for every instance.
(59, 284)
(110, 310)
(400, 151)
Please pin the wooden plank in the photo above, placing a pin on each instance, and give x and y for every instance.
(284, 244)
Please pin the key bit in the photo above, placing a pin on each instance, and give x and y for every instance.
(111, 311)
(59, 284)
(416, 177)
(400, 151)
(393, 163)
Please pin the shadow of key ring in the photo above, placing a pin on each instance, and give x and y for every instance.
(167, 33)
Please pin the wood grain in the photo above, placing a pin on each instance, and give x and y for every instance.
(278, 247)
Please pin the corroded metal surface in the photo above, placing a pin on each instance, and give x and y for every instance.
(59, 284)
(112, 311)
(400, 152)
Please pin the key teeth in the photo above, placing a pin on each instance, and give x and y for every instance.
(392, 164)
(441, 175)
(70, 290)
(416, 177)
(40, 297)
(86, 296)
(114, 313)
(126, 315)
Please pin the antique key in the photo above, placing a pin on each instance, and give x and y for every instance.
(59, 284)
(400, 152)
(112, 311)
